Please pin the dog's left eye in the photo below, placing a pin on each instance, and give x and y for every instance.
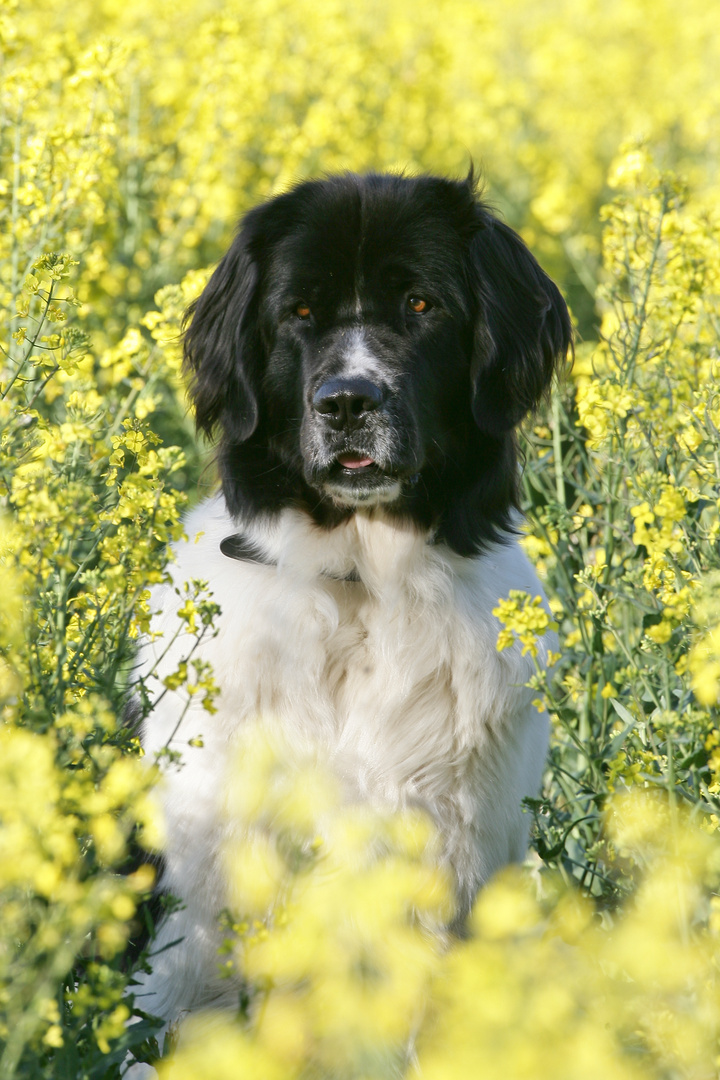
(302, 310)
(417, 304)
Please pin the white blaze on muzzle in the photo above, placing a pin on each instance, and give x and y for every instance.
(358, 360)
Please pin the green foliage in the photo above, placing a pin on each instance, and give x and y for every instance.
(131, 138)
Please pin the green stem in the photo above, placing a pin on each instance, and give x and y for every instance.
(557, 449)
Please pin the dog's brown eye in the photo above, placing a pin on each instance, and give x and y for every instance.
(302, 311)
(417, 304)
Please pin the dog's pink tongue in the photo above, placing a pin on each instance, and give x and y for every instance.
(354, 461)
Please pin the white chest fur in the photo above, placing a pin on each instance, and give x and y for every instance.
(395, 677)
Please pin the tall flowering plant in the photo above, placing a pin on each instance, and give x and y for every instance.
(90, 497)
(622, 489)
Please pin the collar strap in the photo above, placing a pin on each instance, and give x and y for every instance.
(237, 546)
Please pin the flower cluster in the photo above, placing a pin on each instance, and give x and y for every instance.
(524, 619)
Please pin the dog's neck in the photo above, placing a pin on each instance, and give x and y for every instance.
(369, 547)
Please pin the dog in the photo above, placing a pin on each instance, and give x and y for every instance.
(364, 353)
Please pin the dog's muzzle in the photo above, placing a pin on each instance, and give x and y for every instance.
(349, 414)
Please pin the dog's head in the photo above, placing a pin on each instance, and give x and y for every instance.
(374, 340)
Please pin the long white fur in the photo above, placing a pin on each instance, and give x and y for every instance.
(396, 676)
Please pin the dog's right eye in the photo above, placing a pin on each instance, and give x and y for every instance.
(302, 310)
(418, 304)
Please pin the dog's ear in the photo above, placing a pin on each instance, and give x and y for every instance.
(222, 344)
(523, 329)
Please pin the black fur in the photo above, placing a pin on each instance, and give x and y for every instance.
(455, 380)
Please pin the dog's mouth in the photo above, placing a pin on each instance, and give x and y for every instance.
(357, 469)
(355, 478)
(355, 461)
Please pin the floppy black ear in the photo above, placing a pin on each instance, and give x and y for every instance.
(222, 346)
(523, 329)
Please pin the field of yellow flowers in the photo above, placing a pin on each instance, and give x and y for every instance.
(132, 136)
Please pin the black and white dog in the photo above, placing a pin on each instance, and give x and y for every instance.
(364, 350)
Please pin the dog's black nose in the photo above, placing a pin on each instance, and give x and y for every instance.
(346, 402)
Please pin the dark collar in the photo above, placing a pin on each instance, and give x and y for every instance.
(237, 546)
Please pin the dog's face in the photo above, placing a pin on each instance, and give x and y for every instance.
(366, 325)
(374, 341)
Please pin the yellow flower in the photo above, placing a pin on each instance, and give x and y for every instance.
(522, 617)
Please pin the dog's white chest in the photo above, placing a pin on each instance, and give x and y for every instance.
(367, 676)
(375, 649)
(388, 675)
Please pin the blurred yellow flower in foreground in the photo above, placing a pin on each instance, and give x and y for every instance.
(349, 972)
